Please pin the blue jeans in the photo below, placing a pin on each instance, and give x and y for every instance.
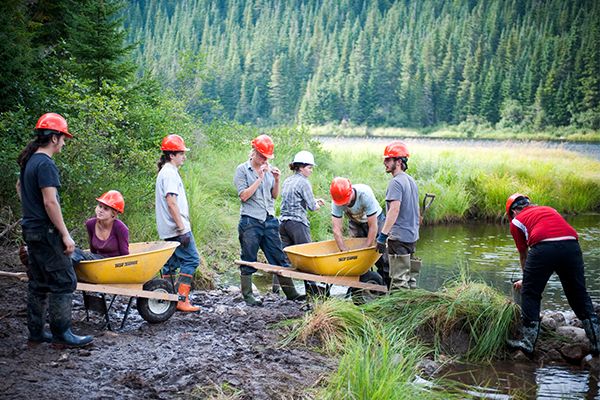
(186, 259)
(254, 234)
(83, 255)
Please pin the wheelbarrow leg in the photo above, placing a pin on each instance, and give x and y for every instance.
(126, 313)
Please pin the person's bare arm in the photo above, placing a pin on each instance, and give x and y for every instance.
(55, 214)
(372, 234)
(18, 188)
(275, 189)
(392, 215)
(337, 233)
(174, 211)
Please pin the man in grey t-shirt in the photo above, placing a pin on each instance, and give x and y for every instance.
(401, 227)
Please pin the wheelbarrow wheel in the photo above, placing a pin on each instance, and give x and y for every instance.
(363, 296)
(154, 310)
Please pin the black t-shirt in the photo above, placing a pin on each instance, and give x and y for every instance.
(40, 172)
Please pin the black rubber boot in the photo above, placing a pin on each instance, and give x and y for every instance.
(592, 331)
(36, 318)
(530, 335)
(60, 322)
(287, 285)
(246, 283)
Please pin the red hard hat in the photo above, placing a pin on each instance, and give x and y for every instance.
(396, 149)
(264, 145)
(113, 199)
(53, 122)
(341, 191)
(173, 143)
(511, 199)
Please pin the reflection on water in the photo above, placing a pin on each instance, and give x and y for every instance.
(487, 252)
(510, 380)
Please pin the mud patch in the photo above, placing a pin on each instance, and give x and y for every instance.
(228, 350)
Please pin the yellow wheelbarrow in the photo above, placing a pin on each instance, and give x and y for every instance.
(132, 275)
(324, 262)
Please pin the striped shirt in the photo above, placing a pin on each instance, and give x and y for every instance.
(296, 197)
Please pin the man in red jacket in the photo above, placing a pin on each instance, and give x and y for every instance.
(548, 244)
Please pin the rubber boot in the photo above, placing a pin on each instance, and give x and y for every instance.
(415, 268)
(36, 315)
(276, 286)
(530, 335)
(246, 283)
(399, 271)
(287, 285)
(592, 331)
(186, 306)
(60, 321)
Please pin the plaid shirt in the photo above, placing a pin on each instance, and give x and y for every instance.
(296, 197)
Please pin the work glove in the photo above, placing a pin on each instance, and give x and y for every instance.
(381, 242)
(184, 239)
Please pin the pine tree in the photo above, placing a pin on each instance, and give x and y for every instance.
(96, 42)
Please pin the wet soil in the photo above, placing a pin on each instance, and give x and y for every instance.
(227, 350)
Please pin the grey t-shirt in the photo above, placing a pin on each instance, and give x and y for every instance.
(365, 205)
(261, 204)
(169, 181)
(403, 188)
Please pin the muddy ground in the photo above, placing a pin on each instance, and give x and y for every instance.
(228, 350)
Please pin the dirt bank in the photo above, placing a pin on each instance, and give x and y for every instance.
(227, 349)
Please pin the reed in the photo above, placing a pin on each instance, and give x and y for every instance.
(381, 364)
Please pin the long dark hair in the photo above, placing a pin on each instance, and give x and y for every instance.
(41, 140)
(165, 158)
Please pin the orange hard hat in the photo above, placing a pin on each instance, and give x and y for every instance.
(512, 199)
(341, 191)
(53, 122)
(395, 150)
(173, 143)
(264, 145)
(113, 199)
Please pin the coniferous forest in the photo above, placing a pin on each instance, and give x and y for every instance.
(516, 63)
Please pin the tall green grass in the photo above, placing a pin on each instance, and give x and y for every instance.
(382, 343)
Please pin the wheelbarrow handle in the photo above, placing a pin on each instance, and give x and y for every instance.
(427, 200)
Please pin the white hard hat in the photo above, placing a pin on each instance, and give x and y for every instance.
(304, 157)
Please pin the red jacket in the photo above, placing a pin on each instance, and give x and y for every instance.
(537, 223)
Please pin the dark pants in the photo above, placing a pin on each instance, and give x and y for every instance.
(255, 234)
(84, 255)
(50, 270)
(361, 230)
(545, 258)
(294, 232)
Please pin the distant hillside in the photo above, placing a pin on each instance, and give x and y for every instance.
(403, 63)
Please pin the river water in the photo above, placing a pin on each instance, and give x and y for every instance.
(487, 253)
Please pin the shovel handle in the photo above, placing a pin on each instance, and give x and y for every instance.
(427, 200)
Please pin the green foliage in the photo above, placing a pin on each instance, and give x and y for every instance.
(403, 63)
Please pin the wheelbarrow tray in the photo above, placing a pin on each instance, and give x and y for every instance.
(139, 266)
(325, 258)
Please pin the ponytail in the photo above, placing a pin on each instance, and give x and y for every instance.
(40, 140)
(165, 158)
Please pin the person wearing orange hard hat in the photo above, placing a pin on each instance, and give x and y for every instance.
(257, 184)
(173, 219)
(52, 279)
(108, 236)
(365, 216)
(400, 231)
(547, 244)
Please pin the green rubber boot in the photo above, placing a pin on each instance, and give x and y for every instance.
(246, 283)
